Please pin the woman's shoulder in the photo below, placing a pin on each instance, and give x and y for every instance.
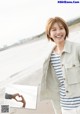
(74, 44)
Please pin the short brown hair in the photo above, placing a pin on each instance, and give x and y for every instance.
(50, 23)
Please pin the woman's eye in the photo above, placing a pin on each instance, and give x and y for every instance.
(53, 29)
(61, 28)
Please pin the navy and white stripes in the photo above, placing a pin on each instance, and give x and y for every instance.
(66, 103)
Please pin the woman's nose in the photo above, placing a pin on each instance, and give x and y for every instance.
(58, 31)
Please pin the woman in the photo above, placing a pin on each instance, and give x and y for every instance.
(61, 70)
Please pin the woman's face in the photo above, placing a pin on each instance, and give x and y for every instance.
(58, 33)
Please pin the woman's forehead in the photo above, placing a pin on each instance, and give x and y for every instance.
(57, 24)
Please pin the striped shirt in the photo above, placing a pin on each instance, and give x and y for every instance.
(66, 103)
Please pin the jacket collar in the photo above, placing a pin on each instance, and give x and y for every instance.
(67, 47)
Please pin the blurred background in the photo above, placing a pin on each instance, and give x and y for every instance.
(21, 19)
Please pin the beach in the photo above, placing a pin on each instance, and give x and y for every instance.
(23, 65)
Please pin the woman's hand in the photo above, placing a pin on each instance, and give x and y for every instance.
(15, 96)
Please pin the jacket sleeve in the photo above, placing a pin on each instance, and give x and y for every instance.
(49, 87)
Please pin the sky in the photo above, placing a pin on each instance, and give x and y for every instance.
(21, 19)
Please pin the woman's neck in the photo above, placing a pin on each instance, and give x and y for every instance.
(59, 48)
